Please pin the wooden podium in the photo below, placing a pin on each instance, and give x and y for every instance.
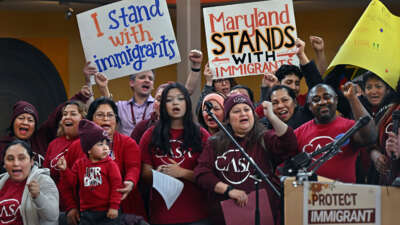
(293, 198)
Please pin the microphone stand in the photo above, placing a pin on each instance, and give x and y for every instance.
(330, 152)
(259, 173)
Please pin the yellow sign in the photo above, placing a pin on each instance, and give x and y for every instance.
(373, 44)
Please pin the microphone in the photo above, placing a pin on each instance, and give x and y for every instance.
(357, 126)
(303, 159)
(208, 105)
(395, 129)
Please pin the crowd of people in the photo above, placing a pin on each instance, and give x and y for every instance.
(96, 165)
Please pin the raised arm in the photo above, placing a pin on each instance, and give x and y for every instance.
(279, 126)
(268, 81)
(208, 88)
(317, 43)
(195, 58)
(368, 134)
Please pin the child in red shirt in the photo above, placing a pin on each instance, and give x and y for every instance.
(98, 177)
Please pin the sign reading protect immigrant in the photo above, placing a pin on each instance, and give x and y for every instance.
(250, 38)
(128, 36)
(339, 204)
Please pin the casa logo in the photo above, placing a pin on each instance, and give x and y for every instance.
(316, 144)
(178, 155)
(239, 99)
(234, 170)
(9, 210)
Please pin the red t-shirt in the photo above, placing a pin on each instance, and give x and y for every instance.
(191, 204)
(312, 136)
(10, 200)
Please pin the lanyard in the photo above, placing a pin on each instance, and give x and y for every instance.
(133, 113)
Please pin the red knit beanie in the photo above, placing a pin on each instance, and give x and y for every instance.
(89, 134)
(234, 99)
(22, 107)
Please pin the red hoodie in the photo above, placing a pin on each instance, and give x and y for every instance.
(128, 158)
(98, 183)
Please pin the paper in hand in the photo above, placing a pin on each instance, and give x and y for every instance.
(169, 187)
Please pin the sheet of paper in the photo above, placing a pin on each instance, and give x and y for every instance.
(169, 188)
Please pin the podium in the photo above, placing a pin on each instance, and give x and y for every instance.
(294, 196)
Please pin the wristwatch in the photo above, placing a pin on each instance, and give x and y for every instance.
(228, 189)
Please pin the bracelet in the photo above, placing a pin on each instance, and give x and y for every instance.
(228, 189)
(196, 69)
(110, 96)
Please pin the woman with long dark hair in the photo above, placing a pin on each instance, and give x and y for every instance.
(172, 147)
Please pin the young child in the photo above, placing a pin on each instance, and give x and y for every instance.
(98, 177)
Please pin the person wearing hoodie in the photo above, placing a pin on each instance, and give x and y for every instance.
(97, 176)
(123, 150)
(24, 125)
(28, 195)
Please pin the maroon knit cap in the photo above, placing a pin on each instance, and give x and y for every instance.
(89, 134)
(22, 107)
(234, 99)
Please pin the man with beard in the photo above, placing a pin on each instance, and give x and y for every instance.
(327, 126)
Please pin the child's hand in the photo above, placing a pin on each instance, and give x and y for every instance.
(62, 164)
(112, 213)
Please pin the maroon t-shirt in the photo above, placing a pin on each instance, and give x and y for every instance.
(232, 168)
(10, 201)
(190, 205)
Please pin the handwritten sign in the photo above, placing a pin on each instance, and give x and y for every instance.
(373, 44)
(337, 204)
(127, 37)
(251, 38)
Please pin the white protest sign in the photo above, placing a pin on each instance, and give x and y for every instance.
(251, 38)
(128, 36)
(339, 204)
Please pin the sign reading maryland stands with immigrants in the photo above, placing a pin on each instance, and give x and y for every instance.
(251, 38)
(339, 204)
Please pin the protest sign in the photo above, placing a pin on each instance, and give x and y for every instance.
(340, 204)
(373, 44)
(128, 36)
(251, 38)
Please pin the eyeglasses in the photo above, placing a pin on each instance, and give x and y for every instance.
(102, 116)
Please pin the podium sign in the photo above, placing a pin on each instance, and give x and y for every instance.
(337, 204)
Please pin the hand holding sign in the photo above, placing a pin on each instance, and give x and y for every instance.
(128, 37)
